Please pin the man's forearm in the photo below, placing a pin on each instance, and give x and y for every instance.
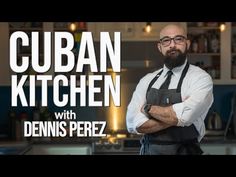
(164, 114)
(152, 126)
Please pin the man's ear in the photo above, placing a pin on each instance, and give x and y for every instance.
(159, 46)
(188, 44)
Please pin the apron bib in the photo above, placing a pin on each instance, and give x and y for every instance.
(173, 140)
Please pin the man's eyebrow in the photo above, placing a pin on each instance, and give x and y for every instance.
(179, 35)
(165, 37)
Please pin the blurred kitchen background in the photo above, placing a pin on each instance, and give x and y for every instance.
(213, 48)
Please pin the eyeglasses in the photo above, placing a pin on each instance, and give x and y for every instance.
(165, 41)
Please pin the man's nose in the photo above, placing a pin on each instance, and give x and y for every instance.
(172, 43)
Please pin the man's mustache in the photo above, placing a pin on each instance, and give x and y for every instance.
(173, 50)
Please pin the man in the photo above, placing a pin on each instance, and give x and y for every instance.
(169, 105)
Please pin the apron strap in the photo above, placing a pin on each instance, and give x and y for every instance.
(153, 81)
(182, 77)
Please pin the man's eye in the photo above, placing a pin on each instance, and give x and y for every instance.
(165, 40)
(178, 38)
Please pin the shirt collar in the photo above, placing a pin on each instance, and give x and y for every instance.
(176, 71)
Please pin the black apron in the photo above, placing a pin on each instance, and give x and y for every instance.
(174, 140)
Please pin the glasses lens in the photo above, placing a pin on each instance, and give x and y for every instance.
(179, 39)
(166, 41)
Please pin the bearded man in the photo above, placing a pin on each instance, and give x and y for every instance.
(168, 106)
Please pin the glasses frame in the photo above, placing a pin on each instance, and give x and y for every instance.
(171, 38)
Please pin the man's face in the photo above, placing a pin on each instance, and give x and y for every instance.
(173, 45)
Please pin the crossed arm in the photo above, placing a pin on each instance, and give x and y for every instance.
(163, 117)
(195, 104)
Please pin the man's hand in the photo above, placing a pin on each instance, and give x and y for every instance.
(147, 106)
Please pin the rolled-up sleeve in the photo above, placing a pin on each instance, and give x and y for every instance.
(134, 116)
(198, 102)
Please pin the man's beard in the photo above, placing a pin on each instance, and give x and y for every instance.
(174, 58)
